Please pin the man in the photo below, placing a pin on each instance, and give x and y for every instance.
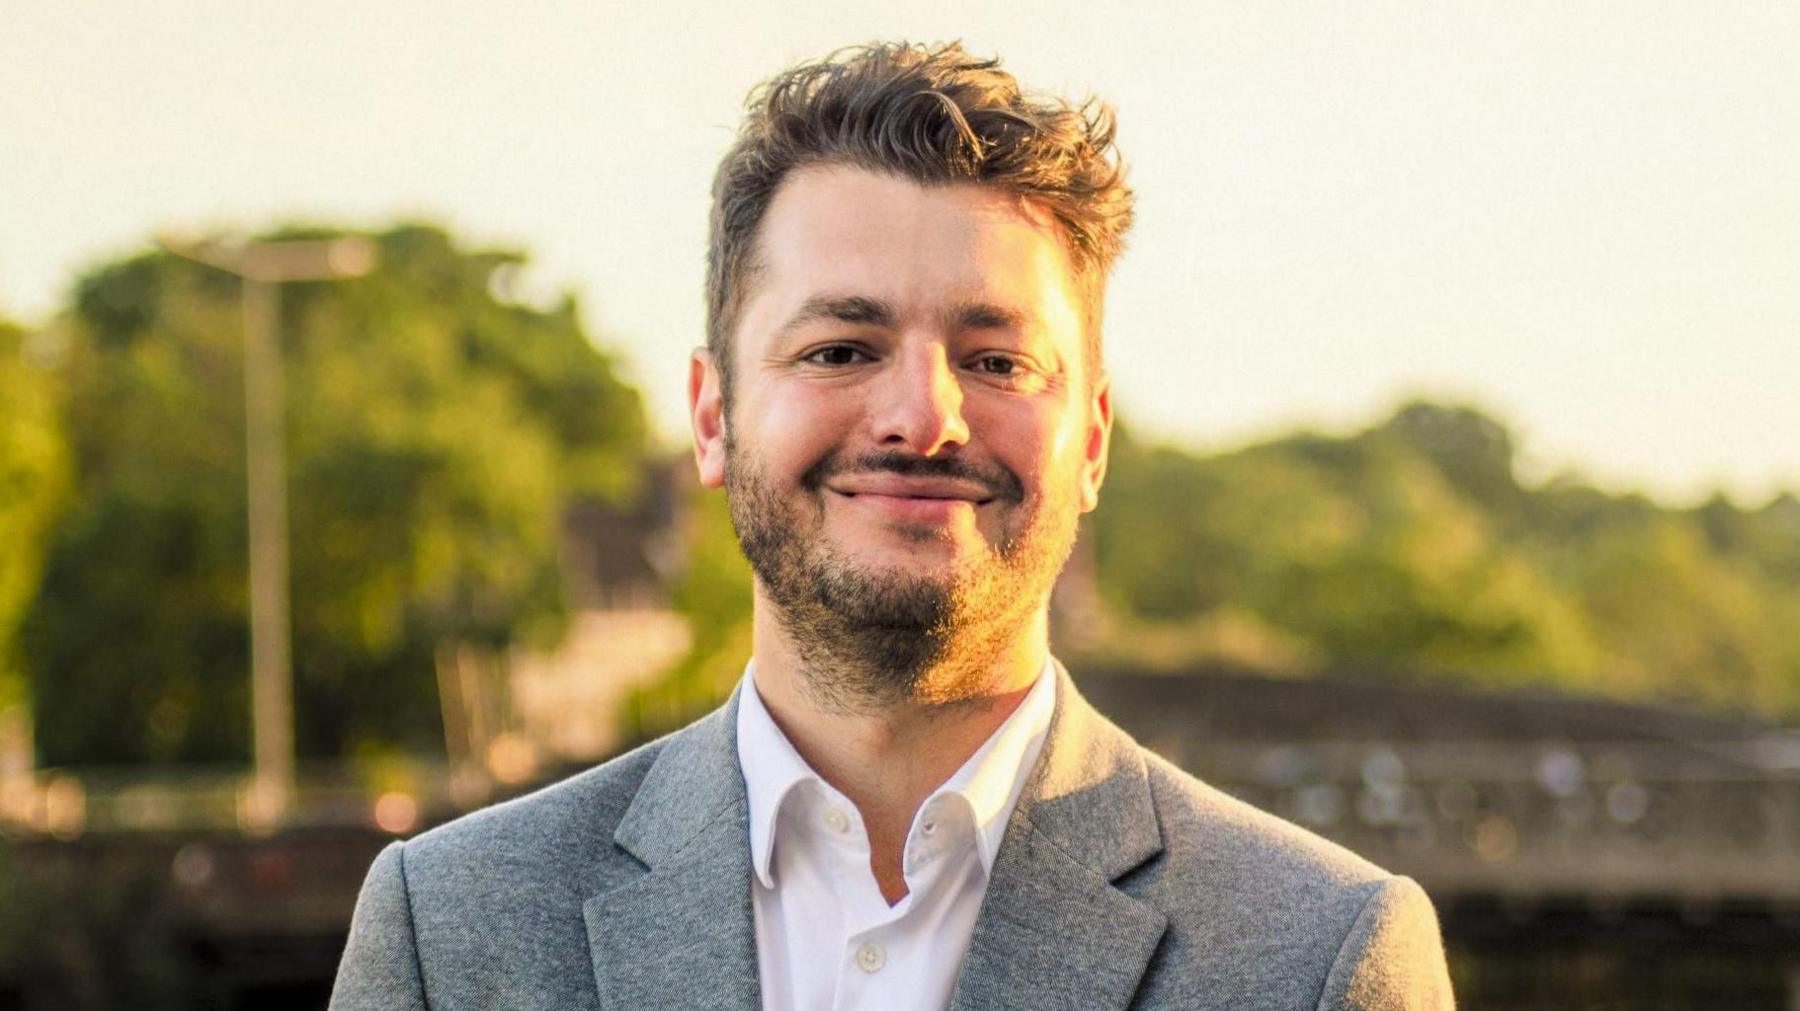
(906, 803)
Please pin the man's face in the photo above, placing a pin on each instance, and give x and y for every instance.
(913, 431)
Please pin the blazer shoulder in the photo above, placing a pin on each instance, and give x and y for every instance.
(569, 823)
(1273, 915)
(1393, 956)
(489, 906)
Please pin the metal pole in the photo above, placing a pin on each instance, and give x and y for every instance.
(262, 266)
(271, 681)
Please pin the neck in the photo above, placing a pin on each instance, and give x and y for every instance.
(887, 754)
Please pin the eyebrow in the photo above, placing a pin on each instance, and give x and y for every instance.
(988, 316)
(865, 311)
(841, 309)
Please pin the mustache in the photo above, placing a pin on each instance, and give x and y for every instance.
(999, 482)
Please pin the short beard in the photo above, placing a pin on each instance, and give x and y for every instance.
(870, 638)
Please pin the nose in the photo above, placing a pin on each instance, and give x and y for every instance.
(918, 406)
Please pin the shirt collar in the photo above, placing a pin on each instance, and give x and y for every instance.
(992, 778)
(989, 781)
(772, 768)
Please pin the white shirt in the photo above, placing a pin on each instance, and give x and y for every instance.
(825, 938)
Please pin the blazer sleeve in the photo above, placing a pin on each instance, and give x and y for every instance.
(1393, 957)
(380, 968)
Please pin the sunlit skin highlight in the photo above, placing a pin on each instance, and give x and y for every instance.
(912, 411)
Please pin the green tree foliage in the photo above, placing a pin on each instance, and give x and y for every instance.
(435, 430)
(1412, 548)
(34, 478)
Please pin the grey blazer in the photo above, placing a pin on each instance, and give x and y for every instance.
(1121, 882)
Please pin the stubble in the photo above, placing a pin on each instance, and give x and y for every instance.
(869, 637)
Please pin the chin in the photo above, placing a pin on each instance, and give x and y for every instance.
(923, 553)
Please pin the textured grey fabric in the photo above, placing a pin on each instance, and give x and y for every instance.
(1121, 882)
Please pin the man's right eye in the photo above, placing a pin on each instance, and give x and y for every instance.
(835, 354)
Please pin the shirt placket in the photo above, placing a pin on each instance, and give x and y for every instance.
(868, 976)
(874, 970)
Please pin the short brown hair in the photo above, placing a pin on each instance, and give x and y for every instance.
(932, 114)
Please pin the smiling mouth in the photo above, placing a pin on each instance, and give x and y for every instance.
(901, 480)
(908, 497)
(909, 509)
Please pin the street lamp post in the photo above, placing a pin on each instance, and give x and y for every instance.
(262, 267)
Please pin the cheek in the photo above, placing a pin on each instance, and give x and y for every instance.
(1027, 441)
(1073, 437)
(796, 403)
(793, 431)
(1066, 445)
(1046, 431)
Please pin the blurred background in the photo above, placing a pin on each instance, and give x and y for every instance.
(343, 480)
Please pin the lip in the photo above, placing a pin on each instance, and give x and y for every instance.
(917, 500)
(912, 509)
(902, 487)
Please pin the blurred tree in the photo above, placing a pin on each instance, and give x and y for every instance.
(34, 480)
(436, 429)
(1412, 549)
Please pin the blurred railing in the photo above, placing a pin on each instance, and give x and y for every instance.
(1610, 822)
(67, 805)
(1606, 821)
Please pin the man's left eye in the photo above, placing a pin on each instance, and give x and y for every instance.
(996, 365)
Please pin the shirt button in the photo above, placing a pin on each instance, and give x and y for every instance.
(928, 828)
(870, 957)
(836, 820)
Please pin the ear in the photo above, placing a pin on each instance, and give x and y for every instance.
(706, 407)
(1099, 440)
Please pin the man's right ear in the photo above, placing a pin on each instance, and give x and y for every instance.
(706, 406)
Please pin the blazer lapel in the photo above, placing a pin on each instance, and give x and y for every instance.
(681, 934)
(1054, 931)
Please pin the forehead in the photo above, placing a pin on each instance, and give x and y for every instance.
(847, 231)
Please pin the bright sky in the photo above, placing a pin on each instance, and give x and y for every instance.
(1584, 217)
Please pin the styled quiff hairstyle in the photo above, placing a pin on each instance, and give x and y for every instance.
(937, 116)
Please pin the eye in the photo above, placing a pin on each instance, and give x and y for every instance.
(1010, 371)
(834, 354)
(998, 365)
